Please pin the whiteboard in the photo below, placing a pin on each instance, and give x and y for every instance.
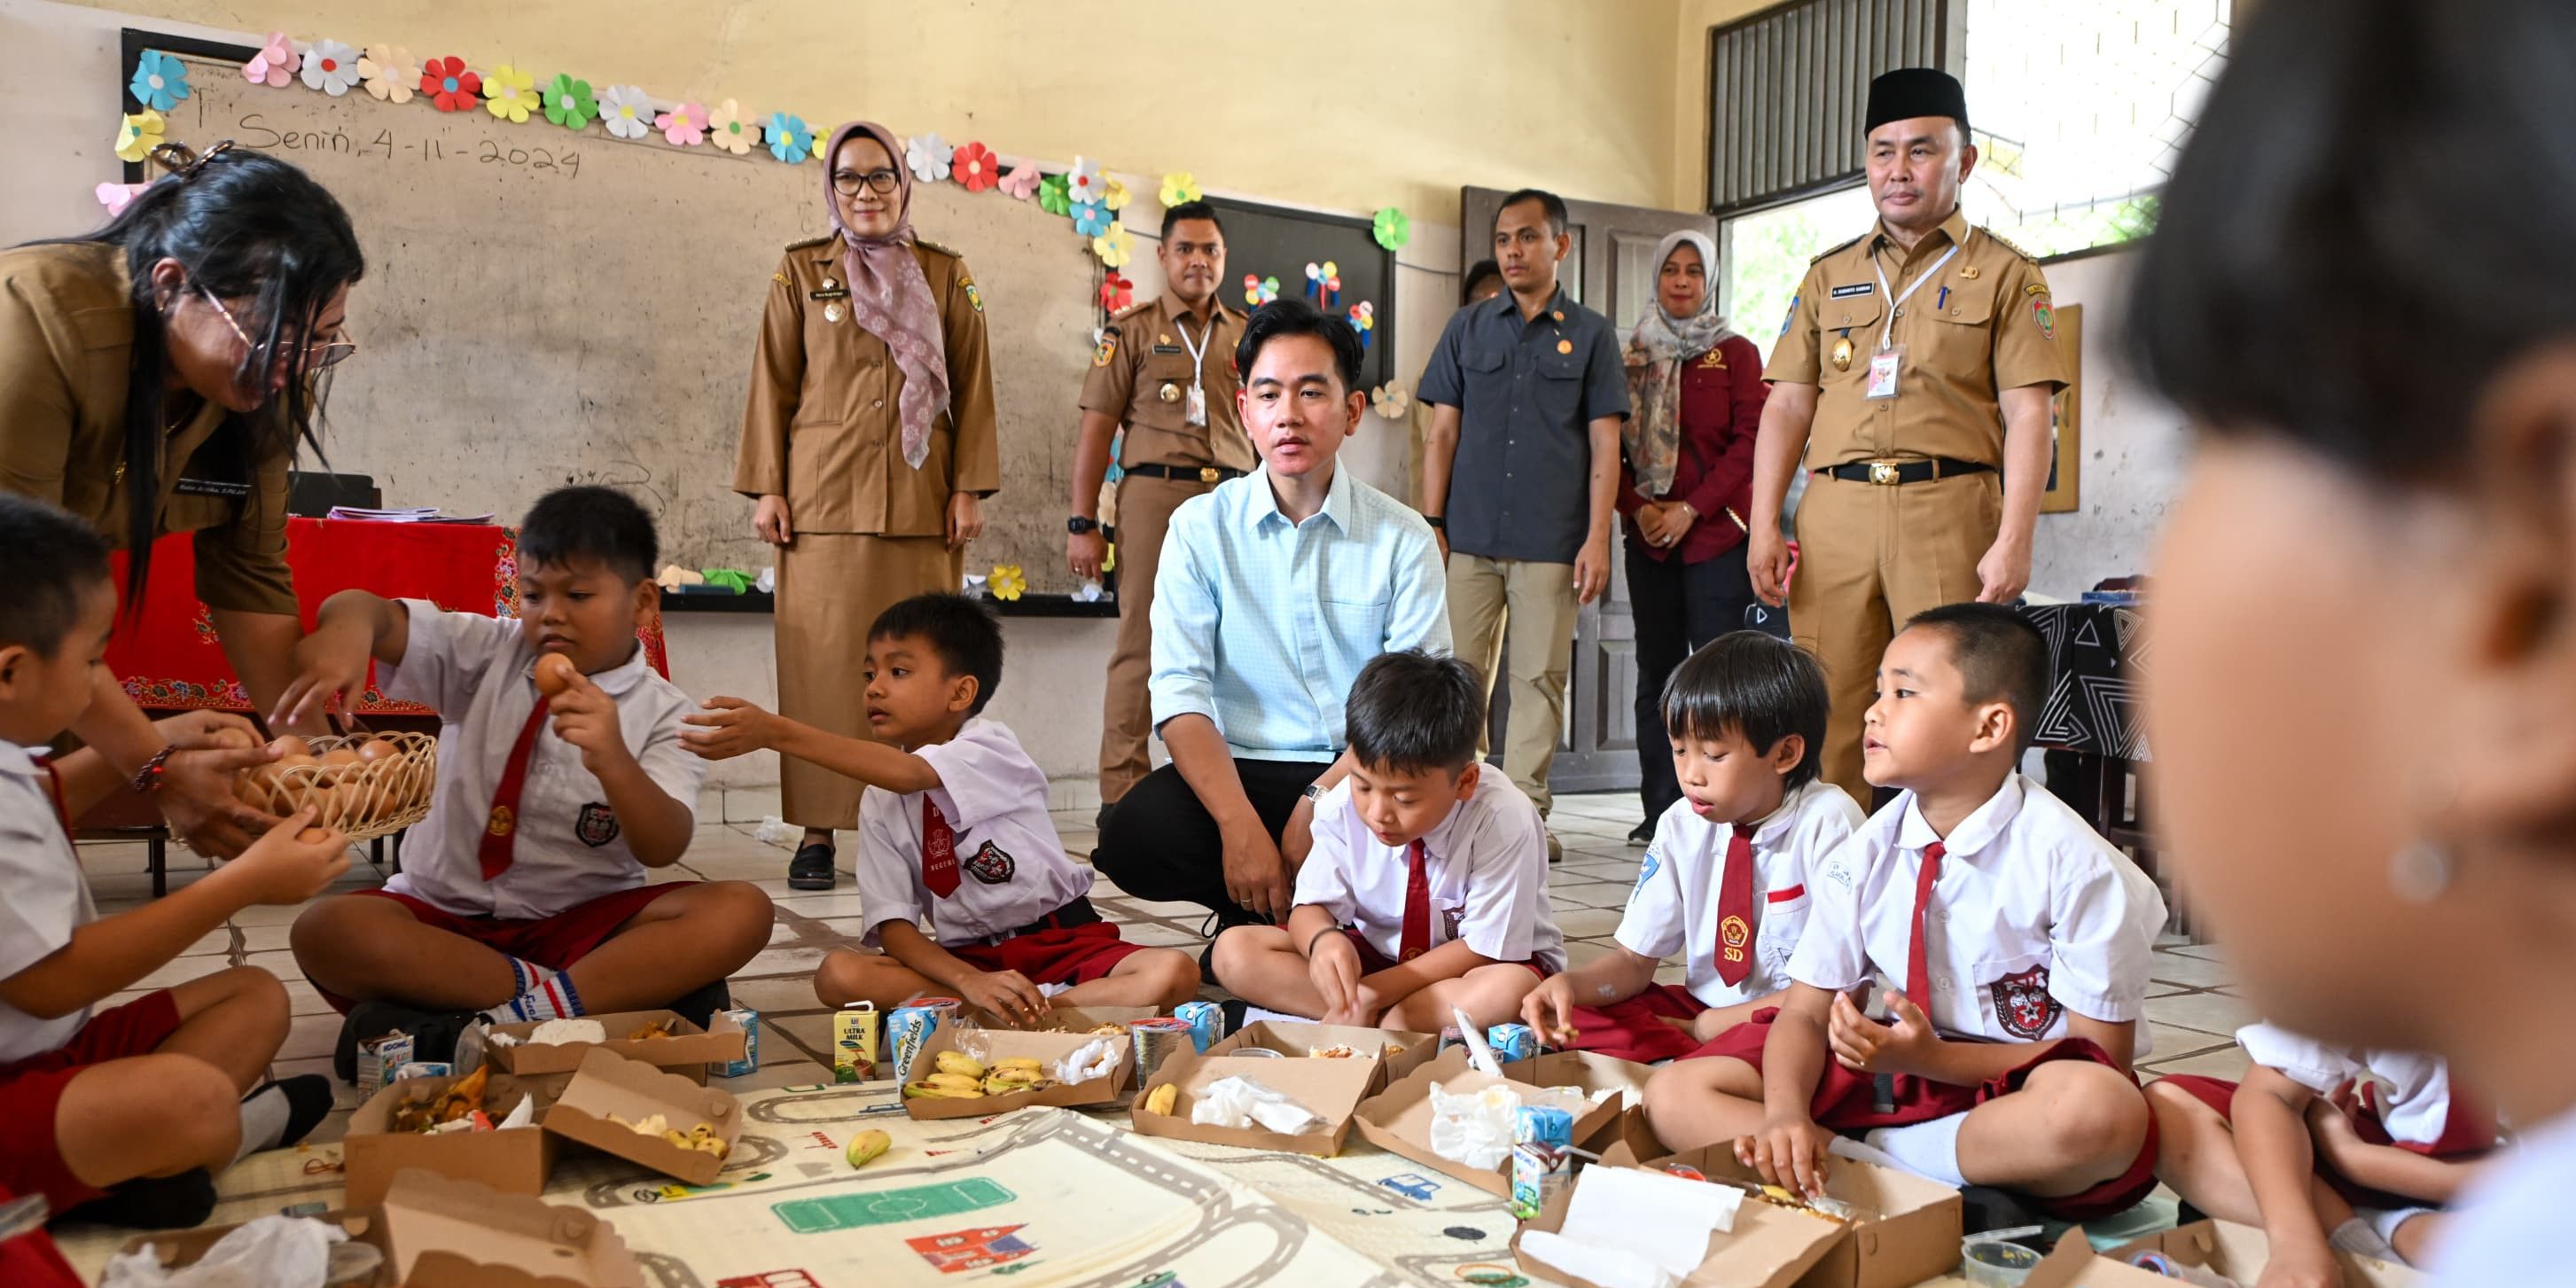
(543, 307)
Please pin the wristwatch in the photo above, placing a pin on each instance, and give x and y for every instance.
(1077, 525)
(1437, 521)
(1315, 791)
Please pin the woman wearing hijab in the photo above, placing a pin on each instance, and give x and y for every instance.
(1685, 484)
(867, 446)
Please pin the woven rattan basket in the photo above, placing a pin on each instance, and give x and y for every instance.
(366, 800)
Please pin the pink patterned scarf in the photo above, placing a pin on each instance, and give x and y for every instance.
(891, 298)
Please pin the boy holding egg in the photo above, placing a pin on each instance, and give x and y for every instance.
(561, 783)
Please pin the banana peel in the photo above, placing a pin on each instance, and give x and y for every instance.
(1161, 1099)
(868, 1146)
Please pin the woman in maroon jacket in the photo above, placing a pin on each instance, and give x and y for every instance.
(1685, 485)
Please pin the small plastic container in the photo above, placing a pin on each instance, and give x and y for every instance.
(1996, 1263)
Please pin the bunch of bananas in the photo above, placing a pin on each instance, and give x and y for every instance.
(962, 1077)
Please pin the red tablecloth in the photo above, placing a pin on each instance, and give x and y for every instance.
(170, 658)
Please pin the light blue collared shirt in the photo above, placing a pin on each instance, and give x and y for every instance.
(1262, 625)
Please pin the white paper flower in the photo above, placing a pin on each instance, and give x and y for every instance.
(330, 67)
(1083, 183)
(626, 110)
(1391, 400)
(929, 156)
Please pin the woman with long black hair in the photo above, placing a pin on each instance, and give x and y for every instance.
(156, 376)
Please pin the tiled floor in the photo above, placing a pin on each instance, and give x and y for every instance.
(2191, 1006)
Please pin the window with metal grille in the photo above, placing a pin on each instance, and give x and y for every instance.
(1787, 87)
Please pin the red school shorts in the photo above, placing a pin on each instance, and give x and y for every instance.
(1635, 1029)
(1067, 955)
(1846, 1102)
(2220, 1094)
(1372, 961)
(31, 1090)
(554, 942)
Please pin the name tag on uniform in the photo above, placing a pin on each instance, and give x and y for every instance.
(837, 293)
(1856, 288)
(1168, 348)
(210, 487)
(1883, 367)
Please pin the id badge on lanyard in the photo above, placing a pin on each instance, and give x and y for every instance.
(1888, 363)
(1194, 399)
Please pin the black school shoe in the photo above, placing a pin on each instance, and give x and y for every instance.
(153, 1202)
(434, 1033)
(701, 1006)
(308, 1102)
(1642, 834)
(812, 869)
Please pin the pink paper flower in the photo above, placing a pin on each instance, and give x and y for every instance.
(275, 63)
(1021, 181)
(684, 125)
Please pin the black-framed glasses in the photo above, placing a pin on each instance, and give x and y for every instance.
(846, 182)
(318, 355)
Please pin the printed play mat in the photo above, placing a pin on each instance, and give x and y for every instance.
(1040, 1196)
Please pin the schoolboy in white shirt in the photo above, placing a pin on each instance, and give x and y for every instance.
(961, 878)
(2013, 940)
(1726, 883)
(1426, 889)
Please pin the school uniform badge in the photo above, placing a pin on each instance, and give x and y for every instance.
(991, 865)
(598, 825)
(1734, 934)
(2023, 1005)
(1450, 920)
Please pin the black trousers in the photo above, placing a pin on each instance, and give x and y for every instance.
(1162, 844)
(1677, 607)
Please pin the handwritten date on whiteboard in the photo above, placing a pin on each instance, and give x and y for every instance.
(386, 145)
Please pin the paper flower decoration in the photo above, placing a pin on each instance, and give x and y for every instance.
(1391, 228)
(927, 156)
(1390, 400)
(160, 81)
(1112, 247)
(449, 85)
(510, 94)
(1052, 195)
(790, 139)
(1258, 291)
(1180, 187)
(1008, 581)
(1090, 218)
(115, 196)
(1114, 195)
(1086, 593)
(975, 166)
(1324, 283)
(569, 102)
(730, 132)
(388, 73)
(275, 63)
(684, 126)
(1116, 292)
(1082, 182)
(1364, 320)
(331, 67)
(626, 110)
(139, 134)
(1021, 181)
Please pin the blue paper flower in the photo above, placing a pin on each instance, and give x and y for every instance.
(790, 139)
(160, 81)
(1090, 218)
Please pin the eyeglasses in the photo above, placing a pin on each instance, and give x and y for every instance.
(847, 182)
(318, 355)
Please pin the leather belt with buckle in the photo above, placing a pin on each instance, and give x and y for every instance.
(1887, 473)
(1209, 474)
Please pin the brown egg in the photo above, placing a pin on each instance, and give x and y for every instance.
(293, 760)
(341, 756)
(289, 747)
(255, 785)
(377, 749)
(314, 835)
(555, 673)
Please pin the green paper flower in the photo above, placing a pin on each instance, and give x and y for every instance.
(569, 102)
(1055, 195)
(1391, 228)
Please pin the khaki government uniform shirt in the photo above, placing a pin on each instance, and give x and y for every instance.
(1141, 373)
(1983, 325)
(66, 348)
(821, 426)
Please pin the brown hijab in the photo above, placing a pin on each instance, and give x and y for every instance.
(891, 298)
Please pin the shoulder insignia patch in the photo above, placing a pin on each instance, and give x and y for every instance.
(973, 296)
(1991, 236)
(1102, 352)
(809, 242)
(1836, 250)
(781, 279)
(927, 244)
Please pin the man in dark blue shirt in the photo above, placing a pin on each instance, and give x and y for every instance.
(1520, 472)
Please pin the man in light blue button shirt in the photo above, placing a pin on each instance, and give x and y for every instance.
(1274, 590)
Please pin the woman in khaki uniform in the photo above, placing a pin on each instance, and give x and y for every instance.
(868, 444)
(155, 377)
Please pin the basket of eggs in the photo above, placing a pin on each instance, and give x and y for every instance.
(365, 784)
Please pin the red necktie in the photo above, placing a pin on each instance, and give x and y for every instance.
(1735, 911)
(1918, 974)
(1417, 906)
(938, 850)
(501, 830)
(54, 789)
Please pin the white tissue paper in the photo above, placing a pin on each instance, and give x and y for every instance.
(559, 1032)
(774, 830)
(1087, 593)
(1473, 1129)
(767, 581)
(1093, 1059)
(1628, 1228)
(521, 1116)
(1241, 1102)
(270, 1252)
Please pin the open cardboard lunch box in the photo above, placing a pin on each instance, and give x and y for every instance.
(1047, 1048)
(1914, 1237)
(688, 1051)
(608, 1083)
(1398, 1119)
(1328, 1087)
(517, 1161)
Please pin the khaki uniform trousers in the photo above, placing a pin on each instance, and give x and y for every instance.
(1145, 508)
(1869, 557)
(1536, 601)
(831, 586)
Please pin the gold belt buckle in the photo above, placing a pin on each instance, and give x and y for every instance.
(1207, 474)
(1883, 473)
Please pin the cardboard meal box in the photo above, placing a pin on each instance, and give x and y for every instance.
(688, 1051)
(2240, 1252)
(608, 1083)
(1588, 1073)
(1770, 1247)
(1331, 1089)
(1046, 1048)
(517, 1161)
(1398, 1119)
(1916, 1235)
(1400, 1053)
(1083, 1019)
(434, 1232)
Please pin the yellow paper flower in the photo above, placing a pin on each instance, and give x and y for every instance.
(510, 94)
(727, 129)
(1180, 186)
(1112, 247)
(1116, 196)
(140, 133)
(1008, 581)
(1109, 561)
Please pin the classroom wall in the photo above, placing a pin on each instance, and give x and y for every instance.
(2134, 451)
